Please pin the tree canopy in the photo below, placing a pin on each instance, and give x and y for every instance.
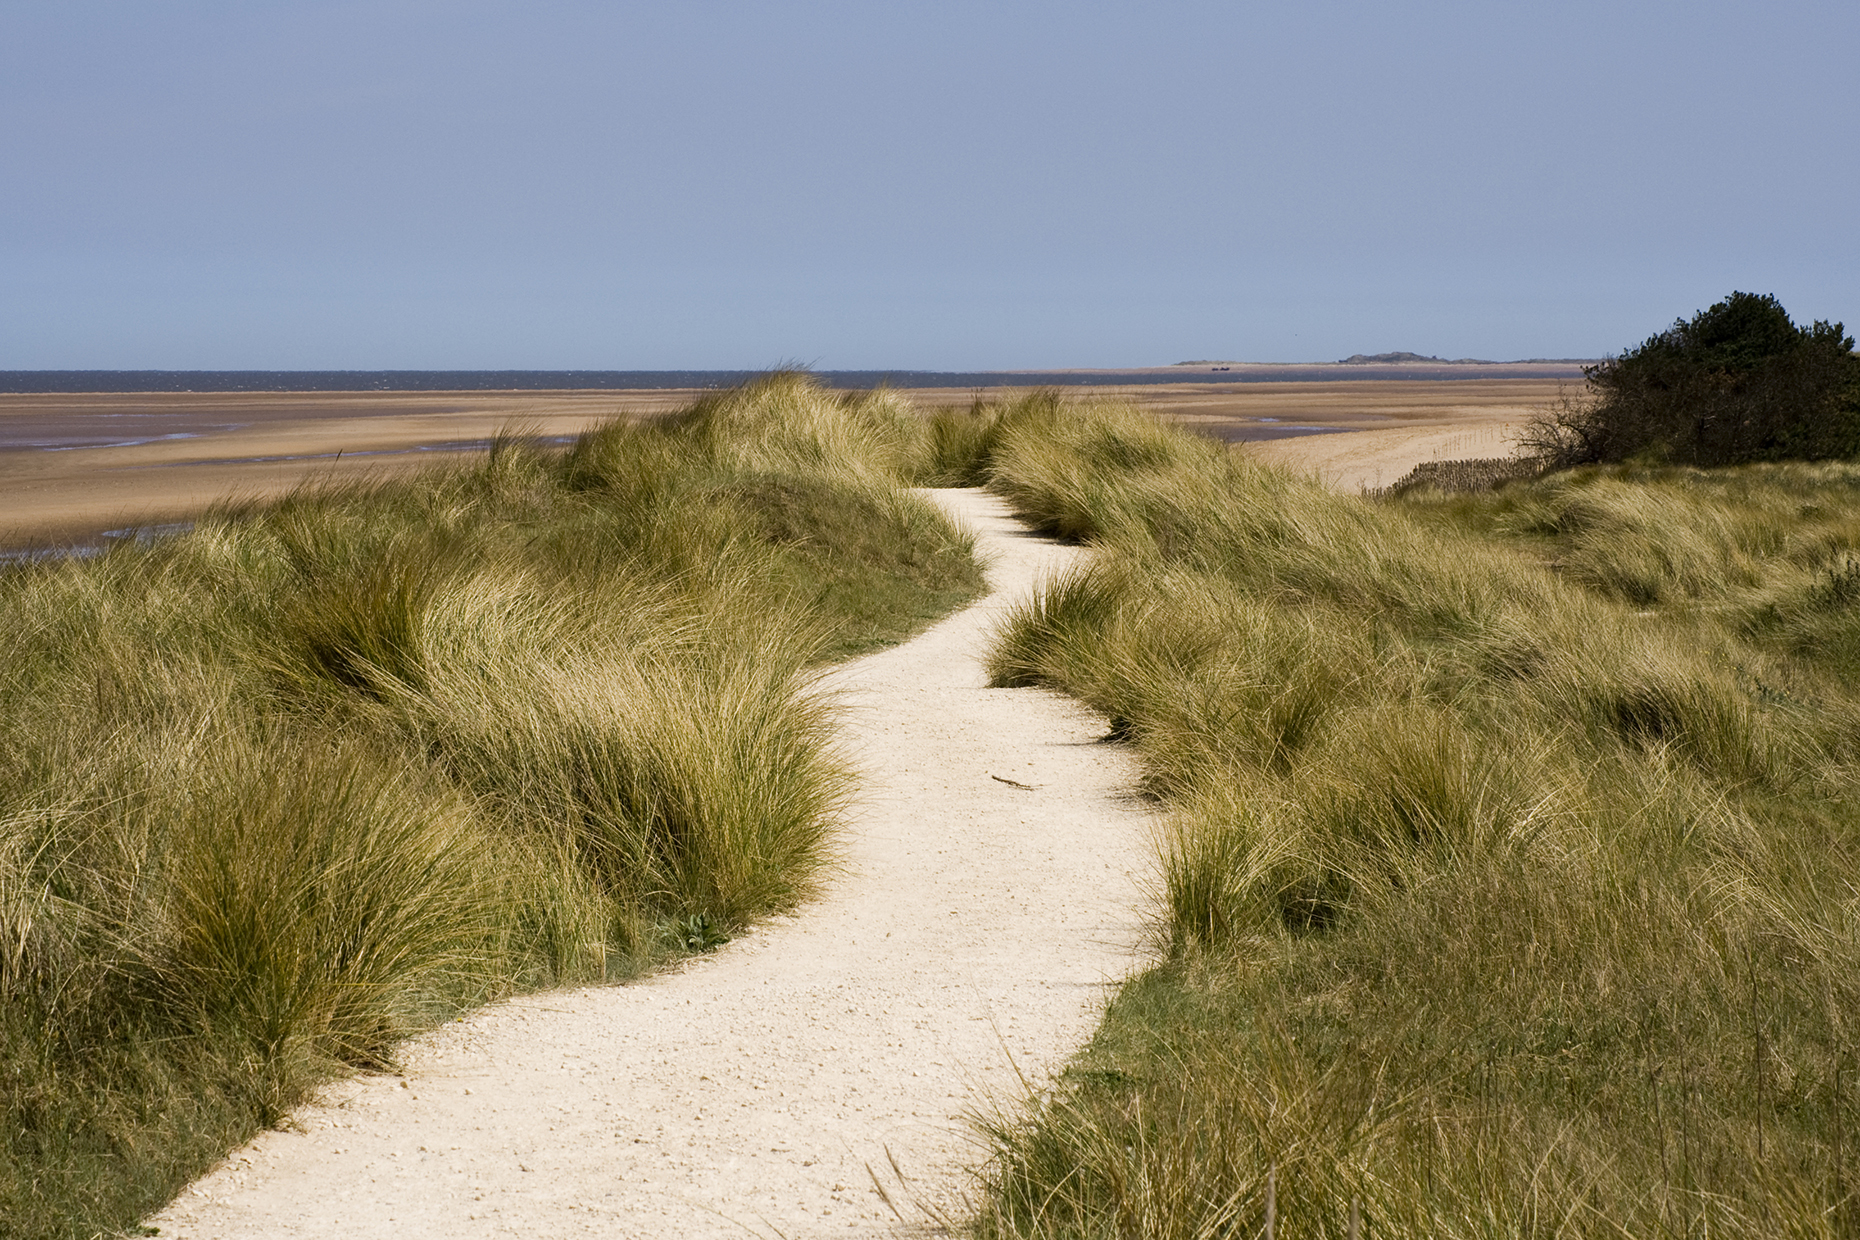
(1738, 382)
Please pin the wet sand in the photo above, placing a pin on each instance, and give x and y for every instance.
(128, 459)
(75, 465)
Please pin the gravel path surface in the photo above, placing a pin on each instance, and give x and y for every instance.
(760, 1090)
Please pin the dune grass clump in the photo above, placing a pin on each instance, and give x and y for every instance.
(329, 770)
(1510, 855)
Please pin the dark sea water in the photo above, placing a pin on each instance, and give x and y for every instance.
(45, 381)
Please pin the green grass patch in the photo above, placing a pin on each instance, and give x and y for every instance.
(329, 770)
(1510, 857)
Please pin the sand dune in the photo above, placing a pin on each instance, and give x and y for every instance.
(972, 938)
(992, 894)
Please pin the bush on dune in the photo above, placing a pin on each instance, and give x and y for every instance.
(328, 770)
(1508, 866)
(1736, 383)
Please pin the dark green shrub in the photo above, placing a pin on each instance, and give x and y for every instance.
(1736, 383)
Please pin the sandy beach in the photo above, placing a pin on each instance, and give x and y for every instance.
(153, 458)
(75, 465)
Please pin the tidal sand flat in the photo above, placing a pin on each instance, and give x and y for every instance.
(73, 465)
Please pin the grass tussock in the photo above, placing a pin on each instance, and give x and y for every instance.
(326, 771)
(1511, 852)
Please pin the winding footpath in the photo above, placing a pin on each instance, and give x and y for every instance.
(771, 1088)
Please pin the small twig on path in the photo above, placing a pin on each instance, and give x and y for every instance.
(1015, 783)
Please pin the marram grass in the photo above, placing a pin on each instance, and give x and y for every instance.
(1511, 854)
(326, 771)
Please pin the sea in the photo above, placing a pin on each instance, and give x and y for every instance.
(49, 381)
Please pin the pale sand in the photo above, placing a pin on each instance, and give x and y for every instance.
(1365, 460)
(974, 936)
(255, 445)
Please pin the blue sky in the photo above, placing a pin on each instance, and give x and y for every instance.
(914, 185)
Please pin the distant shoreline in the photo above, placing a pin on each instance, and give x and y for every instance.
(46, 382)
(74, 464)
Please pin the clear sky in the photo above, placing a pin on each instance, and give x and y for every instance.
(947, 185)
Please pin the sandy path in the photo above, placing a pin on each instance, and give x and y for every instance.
(974, 929)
